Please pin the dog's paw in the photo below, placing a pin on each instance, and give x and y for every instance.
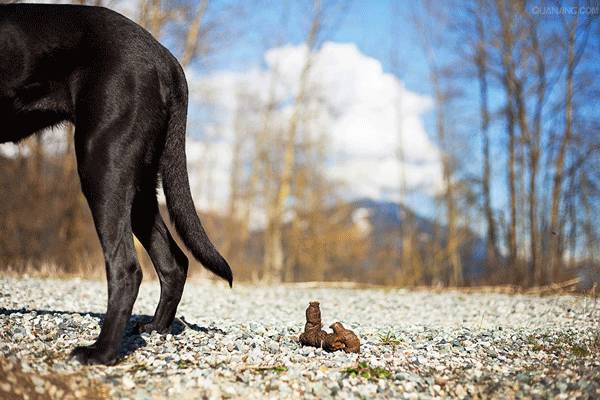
(90, 355)
(150, 327)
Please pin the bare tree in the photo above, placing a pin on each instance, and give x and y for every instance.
(559, 163)
(508, 79)
(481, 60)
(441, 101)
(274, 256)
(193, 34)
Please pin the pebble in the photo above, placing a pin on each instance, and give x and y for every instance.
(243, 343)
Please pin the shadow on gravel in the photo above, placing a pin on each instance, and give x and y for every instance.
(132, 340)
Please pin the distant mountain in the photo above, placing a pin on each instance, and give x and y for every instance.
(387, 215)
(382, 220)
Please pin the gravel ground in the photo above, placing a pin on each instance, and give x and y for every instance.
(242, 343)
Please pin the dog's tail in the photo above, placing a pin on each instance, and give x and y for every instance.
(176, 186)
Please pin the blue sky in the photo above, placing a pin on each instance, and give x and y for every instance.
(368, 24)
(378, 28)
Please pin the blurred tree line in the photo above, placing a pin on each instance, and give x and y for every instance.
(535, 67)
(515, 114)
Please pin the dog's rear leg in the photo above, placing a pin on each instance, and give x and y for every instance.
(169, 261)
(107, 168)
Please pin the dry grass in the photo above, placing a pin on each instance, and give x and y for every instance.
(86, 270)
(17, 384)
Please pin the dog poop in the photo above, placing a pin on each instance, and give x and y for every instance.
(313, 335)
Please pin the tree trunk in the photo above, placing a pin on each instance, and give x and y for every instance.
(556, 243)
(193, 34)
(509, 87)
(481, 63)
(274, 246)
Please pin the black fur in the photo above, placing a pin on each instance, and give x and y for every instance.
(127, 97)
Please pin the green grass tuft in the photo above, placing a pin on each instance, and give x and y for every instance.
(364, 370)
(580, 351)
(184, 364)
(565, 344)
(278, 369)
(389, 338)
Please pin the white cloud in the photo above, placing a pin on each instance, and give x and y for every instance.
(365, 112)
(208, 168)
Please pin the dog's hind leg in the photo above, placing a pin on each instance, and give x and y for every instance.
(169, 261)
(107, 161)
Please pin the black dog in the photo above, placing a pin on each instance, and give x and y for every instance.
(127, 97)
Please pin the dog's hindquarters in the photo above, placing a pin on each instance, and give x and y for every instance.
(127, 98)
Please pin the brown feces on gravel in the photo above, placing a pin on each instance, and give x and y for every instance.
(313, 335)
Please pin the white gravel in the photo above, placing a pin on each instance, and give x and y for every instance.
(242, 343)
